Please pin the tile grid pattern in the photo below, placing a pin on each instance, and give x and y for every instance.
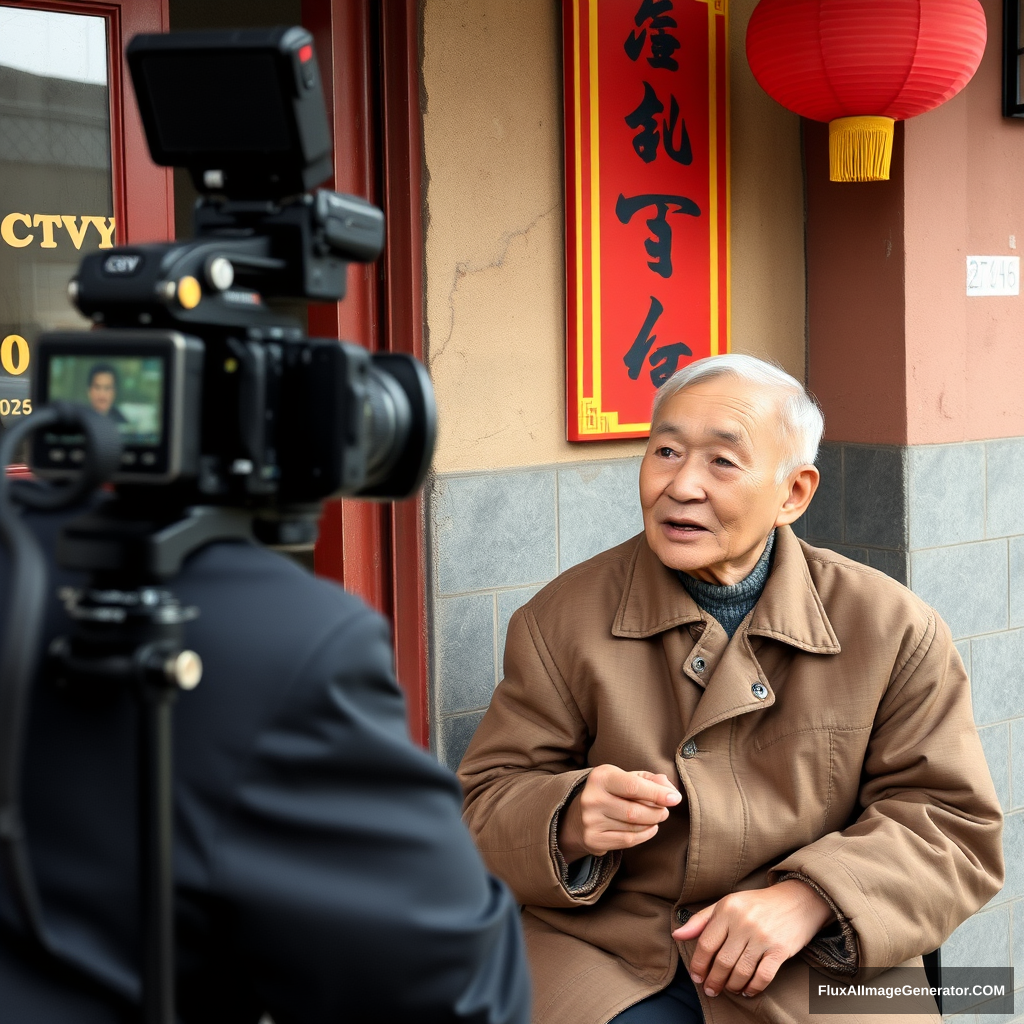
(871, 531)
(497, 538)
(948, 520)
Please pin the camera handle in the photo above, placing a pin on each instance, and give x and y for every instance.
(128, 629)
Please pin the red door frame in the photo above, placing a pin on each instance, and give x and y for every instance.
(369, 58)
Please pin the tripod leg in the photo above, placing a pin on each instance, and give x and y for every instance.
(157, 796)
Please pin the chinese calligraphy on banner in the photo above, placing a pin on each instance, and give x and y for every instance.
(647, 203)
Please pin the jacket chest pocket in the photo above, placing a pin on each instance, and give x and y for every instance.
(788, 787)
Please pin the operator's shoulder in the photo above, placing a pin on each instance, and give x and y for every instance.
(595, 585)
(861, 595)
(246, 579)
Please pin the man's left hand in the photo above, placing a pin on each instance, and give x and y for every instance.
(746, 936)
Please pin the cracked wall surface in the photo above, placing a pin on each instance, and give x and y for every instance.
(495, 289)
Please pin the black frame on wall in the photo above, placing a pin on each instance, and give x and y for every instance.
(1013, 58)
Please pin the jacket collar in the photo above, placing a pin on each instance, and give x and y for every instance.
(789, 610)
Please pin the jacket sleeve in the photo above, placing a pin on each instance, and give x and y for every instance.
(523, 765)
(925, 853)
(353, 889)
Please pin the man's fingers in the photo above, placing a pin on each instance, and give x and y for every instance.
(606, 841)
(744, 969)
(749, 934)
(766, 971)
(636, 838)
(731, 960)
(658, 780)
(712, 938)
(695, 925)
(620, 809)
(634, 786)
(627, 812)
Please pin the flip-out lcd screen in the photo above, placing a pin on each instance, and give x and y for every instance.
(127, 390)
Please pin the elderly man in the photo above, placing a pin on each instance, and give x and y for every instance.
(718, 747)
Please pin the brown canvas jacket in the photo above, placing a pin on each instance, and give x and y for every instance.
(831, 739)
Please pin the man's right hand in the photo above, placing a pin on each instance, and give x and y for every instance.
(614, 811)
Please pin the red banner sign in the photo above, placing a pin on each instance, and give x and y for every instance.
(647, 203)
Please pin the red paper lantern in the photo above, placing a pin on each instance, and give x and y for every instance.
(861, 65)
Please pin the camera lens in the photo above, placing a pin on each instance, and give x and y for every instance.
(388, 419)
(401, 426)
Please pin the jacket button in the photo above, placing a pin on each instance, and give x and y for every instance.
(690, 749)
(682, 915)
(698, 665)
(759, 690)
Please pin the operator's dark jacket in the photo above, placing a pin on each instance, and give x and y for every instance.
(322, 871)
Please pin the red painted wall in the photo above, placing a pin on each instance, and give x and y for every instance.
(855, 298)
(897, 352)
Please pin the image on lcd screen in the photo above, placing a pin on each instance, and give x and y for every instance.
(128, 389)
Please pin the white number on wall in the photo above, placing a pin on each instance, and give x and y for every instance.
(993, 275)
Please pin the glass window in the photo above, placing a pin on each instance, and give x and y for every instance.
(56, 197)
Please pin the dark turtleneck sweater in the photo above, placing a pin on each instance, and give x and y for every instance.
(730, 604)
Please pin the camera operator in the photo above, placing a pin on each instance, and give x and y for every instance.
(279, 836)
(322, 872)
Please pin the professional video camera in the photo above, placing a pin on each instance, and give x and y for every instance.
(213, 416)
(233, 405)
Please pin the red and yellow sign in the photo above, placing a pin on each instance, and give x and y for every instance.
(647, 203)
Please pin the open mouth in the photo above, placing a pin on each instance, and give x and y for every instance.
(679, 526)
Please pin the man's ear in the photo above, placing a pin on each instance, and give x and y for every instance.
(803, 482)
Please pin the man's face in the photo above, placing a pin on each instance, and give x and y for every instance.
(707, 481)
(102, 392)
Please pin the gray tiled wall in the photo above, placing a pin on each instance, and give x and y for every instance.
(948, 520)
(497, 538)
(860, 509)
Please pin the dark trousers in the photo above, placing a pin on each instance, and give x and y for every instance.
(677, 1004)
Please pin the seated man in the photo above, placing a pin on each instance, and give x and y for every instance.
(718, 745)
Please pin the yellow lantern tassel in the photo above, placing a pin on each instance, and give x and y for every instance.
(860, 148)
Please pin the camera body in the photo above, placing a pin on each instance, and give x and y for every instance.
(216, 395)
(236, 419)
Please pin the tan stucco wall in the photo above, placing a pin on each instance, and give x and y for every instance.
(767, 238)
(492, 133)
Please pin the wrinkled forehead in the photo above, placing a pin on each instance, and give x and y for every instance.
(726, 407)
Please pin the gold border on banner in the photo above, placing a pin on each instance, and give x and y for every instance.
(593, 421)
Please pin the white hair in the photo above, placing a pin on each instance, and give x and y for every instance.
(800, 424)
